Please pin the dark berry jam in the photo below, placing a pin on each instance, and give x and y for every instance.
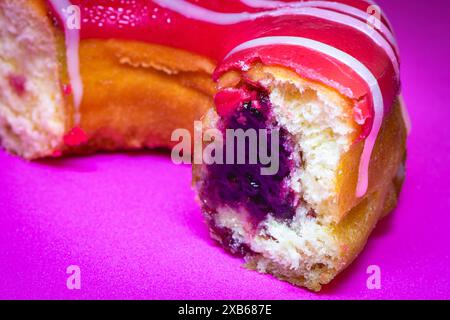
(228, 241)
(243, 185)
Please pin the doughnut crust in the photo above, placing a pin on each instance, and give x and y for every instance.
(159, 89)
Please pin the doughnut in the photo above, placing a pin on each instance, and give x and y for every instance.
(320, 78)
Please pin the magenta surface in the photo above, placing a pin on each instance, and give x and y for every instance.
(131, 223)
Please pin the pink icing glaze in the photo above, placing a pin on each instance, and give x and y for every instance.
(214, 28)
(353, 10)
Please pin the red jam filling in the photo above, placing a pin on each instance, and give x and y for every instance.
(75, 137)
(18, 83)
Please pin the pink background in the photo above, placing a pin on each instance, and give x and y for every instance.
(130, 221)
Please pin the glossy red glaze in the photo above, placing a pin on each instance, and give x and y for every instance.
(144, 20)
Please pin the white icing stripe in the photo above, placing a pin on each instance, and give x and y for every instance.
(329, 5)
(192, 11)
(195, 12)
(72, 38)
(360, 69)
(267, 4)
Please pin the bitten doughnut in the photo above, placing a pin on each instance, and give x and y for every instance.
(323, 76)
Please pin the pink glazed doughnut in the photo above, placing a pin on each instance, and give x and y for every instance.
(323, 76)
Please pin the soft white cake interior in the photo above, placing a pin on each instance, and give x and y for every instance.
(31, 102)
(322, 130)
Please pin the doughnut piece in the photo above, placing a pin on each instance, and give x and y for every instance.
(304, 224)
